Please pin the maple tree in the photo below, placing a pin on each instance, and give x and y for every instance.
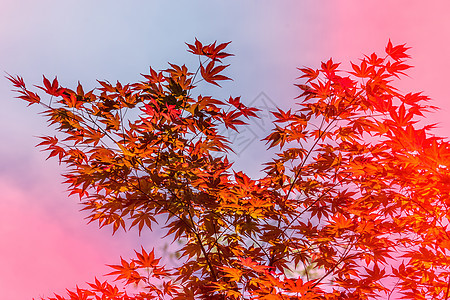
(355, 205)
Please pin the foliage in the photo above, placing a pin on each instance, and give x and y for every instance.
(354, 205)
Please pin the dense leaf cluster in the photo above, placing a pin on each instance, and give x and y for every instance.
(354, 205)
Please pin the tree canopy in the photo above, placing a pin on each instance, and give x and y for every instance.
(354, 205)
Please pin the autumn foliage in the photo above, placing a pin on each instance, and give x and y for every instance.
(355, 205)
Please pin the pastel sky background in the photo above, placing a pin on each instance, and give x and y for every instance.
(45, 244)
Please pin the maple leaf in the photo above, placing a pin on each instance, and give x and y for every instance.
(177, 71)
(397, 52)
(309, 73)
(80, 294)
(374, 60)
(146, 260)
(212, 51)
(282, 116)
(31, 97)
(277, 137)
(126, 271)
(51, 88)
(402, 118)
(329, 68)
(363, 70)
(249, 263)
(246, 111)
(232, 273)
(231, 119)
(17, 82)
(211, 73)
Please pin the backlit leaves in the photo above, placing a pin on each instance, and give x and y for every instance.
(353, 206)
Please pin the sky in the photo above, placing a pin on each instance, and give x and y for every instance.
(46, 245)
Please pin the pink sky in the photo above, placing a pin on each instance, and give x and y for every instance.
(46, 246)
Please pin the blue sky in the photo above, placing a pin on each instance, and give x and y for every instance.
(46, 244)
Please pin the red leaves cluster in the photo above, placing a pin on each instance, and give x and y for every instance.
(354, 206)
